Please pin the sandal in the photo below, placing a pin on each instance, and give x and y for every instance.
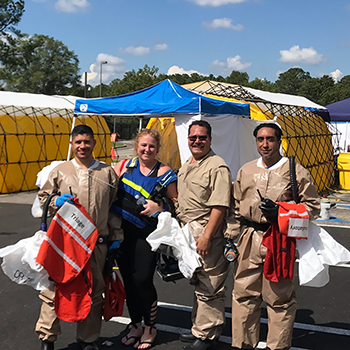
(127, 337)
(149, 343)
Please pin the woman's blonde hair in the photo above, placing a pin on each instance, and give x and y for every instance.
(143, 132)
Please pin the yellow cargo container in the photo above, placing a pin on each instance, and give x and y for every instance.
(344, 170)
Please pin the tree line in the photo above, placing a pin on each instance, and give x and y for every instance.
(41, 64)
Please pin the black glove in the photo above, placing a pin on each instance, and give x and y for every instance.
(269, 209)
(113, 254)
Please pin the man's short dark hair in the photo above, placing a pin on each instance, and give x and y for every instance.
(278, 131)
(202, 123)
(82, 129)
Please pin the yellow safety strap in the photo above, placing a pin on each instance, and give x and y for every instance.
(136, 187)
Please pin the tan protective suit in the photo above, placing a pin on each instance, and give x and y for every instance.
(202, 186)
(96, 189)
(251, 287)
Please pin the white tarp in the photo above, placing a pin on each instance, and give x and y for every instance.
(232, 138)
(284, 99)
(20, 99)
(209, 87)
(344, 141)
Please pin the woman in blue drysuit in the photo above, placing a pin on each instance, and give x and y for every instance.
(138, 179)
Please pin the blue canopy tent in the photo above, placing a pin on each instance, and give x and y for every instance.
(339, 113)
(231, 124)
(164, 98)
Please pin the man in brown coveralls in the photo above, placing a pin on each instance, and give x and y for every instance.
(271, 176)
(204, 191)
(95, 184)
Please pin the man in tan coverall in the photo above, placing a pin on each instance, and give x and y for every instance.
(95, 184)
(204, 191)
(270, 175)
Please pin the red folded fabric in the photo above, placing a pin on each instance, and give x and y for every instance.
(280, 255)
(114, 297)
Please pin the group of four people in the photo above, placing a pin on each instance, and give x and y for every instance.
(202, 195)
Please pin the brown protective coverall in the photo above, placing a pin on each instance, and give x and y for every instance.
(201, 186)
(96, 189)
(251, 287)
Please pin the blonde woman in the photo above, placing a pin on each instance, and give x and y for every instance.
(138, 179)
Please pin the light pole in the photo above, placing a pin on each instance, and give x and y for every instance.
(101, 63)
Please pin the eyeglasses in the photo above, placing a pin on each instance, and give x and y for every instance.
(199, 137)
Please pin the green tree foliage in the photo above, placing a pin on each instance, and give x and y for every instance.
(316, 89)
(11, 12)
(262, 84)
(38, 64)
(339, 92)
(295, 81)
(238, 78)
(291, 81)
(133, 81)
(343, 88)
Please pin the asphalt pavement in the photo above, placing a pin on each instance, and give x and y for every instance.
(322, 322)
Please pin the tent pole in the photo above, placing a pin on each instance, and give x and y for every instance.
(70, 137)
(140, 124)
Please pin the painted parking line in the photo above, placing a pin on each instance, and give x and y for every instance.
(226, 339)
(303, 326)
(331, 225)
(179, 330)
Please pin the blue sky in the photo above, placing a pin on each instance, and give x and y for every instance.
(260, 37)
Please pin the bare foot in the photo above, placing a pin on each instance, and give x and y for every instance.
(133, 336)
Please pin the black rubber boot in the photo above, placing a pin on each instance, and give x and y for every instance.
(47, 345)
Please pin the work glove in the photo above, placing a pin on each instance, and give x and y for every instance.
(65, 197)
(269, 209)
(112, 255)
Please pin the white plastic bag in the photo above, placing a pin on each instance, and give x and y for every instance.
(316, 253)
(36, 210)
(19, 262)
(170, 233)
(41, 178)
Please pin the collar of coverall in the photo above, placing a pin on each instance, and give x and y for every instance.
(210, 153)
(275, 166)
(94, 164)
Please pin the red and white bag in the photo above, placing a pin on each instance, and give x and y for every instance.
(69, 242)
(65, 254)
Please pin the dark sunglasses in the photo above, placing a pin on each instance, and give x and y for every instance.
(200, 137)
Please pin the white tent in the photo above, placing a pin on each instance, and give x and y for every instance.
(34, 131)
(230, 121)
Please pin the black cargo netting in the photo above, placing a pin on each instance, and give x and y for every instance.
(305, 135)
(31, 138)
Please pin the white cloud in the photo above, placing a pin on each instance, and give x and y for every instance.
(336, 75)
(71, 5)
(297, 55)
(161, 47)
(137, 50)
(225, 23)
(177, 70)
(231, 63)
(215, 3)
(114, 68)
